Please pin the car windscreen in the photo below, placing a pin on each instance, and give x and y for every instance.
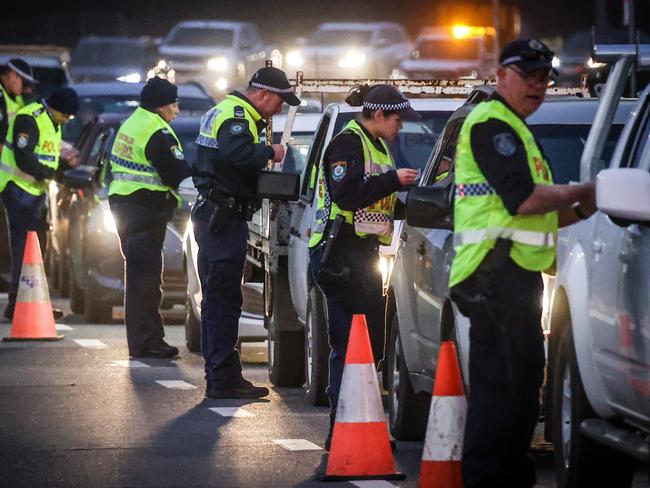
(563, 145)
(414, 143)
(109, 54)
(451, 49)
(202, 37)
(297, 150)
(340, 37)
(91, 106)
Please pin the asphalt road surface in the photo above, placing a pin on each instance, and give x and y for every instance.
(78, 413)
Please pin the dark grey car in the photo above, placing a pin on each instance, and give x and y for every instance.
(419, 313)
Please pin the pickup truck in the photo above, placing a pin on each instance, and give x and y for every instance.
(598, 388)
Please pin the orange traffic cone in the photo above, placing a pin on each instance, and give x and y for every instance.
(443, 445)
(33, 319)
(360, 447)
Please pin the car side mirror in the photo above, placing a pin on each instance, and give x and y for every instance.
(429, 207)
(78, 178)
(622, 193)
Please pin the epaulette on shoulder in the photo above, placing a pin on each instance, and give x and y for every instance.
(239, 111)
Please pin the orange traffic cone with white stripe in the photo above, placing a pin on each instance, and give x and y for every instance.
(443, 444)
(33, 319)
(360, 447)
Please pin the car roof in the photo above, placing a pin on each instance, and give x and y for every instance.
(449, 104)
(110, 119)
(219, 24)
(189, 90)
(354, 25)
(575, 111)
(116, 39)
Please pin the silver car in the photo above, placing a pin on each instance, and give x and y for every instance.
(419, 312)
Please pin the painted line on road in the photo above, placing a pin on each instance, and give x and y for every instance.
(373, 484)
(62, 327)
(232, 412)
(91, 343)
(297, 445)
(176, 384)
(129, 363)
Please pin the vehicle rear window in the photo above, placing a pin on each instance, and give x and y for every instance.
(202, 37)
(109, 53)
(414, 143)
(340, 37)
(452, 49)
(563, 145)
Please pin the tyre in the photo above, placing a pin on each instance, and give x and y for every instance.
(317, 349)
(579, 461)
(192, 327)
(286, 348)
(63, 276)
(407, 411)
(77, 297)
(96, 311)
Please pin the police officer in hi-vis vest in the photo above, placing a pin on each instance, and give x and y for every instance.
(506, 215)
(15, 78)
(230, 158)
(147, 165)
(357, 185)
(30, 157)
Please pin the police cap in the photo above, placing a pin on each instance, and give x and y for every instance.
(527, 54)
(274, 80)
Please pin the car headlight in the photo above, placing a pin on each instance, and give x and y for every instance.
(353, 59)
(109, 221)
(591, 64)
(294, 58)
(555, 63)
(221, 84)
(130, 78)
(217, 64)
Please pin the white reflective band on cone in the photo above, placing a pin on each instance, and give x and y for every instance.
(359, 399)
(528, 237)
(32, 286)
(445, 428)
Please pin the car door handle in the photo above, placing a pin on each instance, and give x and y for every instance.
(421, 249)
(404, 236)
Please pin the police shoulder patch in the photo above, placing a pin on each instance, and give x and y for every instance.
(339, 169)
(237, 128)
(504, 144)
(176, 151)
(22, 140)
(239, 111)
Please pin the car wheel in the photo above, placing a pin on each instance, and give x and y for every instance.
(96, 311)
(285, 347)
(192, 327)
(316, 349)
(63, 276)
(579, 461)
(407, 411)
(77, 297)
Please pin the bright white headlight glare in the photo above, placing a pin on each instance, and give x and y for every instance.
(109, 222)
(217, 64)
(221, 84)
(591, 64)
(294, 58)
(353, 59)
(162, 64)
(130, 78)
(555, 63)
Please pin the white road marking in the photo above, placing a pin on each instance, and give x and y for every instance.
(373, 484)
(62, 327)
(232, 412)
(176, 384)
(91, 343)
(297, 445)
(130, 364)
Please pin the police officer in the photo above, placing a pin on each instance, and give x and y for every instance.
(147, 165)
(30, 157)
(15, 78)
(229, 161)
(357, 182)
(506, 215)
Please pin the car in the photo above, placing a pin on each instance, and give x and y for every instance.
(452, 52)
(219, 54)
(49, 63)
(112, 58)
(117, 97)
(348, 50)
(92, 256)
(251, 324)
(598, 377)
(419, 312)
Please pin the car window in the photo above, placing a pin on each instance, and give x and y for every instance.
(201, 36)
(642, 146)
(445, 160)
(109, 53)
(393, 35)
(447, 49)
(308, 177)
(414, 143)
(96, 150)
(297, 151)
(340, 37)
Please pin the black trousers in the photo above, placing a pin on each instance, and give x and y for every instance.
(506, 369)
(142, 234)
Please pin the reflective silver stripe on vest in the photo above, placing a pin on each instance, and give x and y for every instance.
(531, 238)
(16, 172)
(147, 180)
